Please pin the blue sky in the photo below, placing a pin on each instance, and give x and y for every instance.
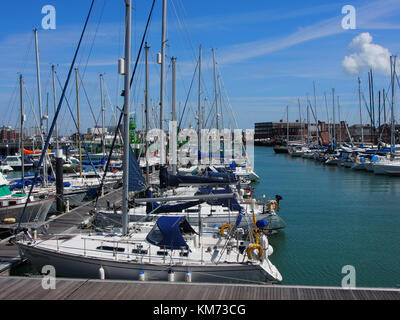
(268, 53)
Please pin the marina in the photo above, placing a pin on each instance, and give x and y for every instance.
(159, 193)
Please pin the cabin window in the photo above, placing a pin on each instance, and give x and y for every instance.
(139, 251)
(162, 253)
(106, 248)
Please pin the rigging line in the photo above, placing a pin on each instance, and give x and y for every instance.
(55, 118)
(81, 83)
(229, 103)
(80, 135)
(109, 158)
(143, 39)
(183, 83)
(221, 93)
(366, 106)
(12, 102)
(210, 113)
(109, 99)
(32, 108)
(114, 114)
(27, 54)
(122, 113)
(94, 39)
(397, 78)
(92, 44)
(187, 98)
(88, 100)
(117, 94)
(184, 28)
(85, 41)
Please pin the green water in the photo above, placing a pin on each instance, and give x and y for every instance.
(335, 217)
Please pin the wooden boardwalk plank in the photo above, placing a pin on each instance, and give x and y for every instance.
(69, 289)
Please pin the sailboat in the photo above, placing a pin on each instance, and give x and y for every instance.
(12, 205)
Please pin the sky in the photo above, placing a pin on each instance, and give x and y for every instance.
(268, 55)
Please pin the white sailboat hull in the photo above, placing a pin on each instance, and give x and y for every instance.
(35, 211)
(69, 265)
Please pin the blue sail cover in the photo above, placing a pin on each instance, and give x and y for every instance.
(171, 229)
(169, 180)
(230, 203)
(137, 183)
(155, 208)
(222, 173)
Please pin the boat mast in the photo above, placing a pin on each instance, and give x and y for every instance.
(393, 72)
(199, 113)
(220, 102)
(370, 105)
(308, 123)
(163, 44)
(79, 121)
(316, 116)
(287, 124)
(384, 109)
(103, 118)
(125, 194)
(373, 107)
(327, 115)
(301, 123)
(334, 120)
(147, 112)
(47, 113)
(361, 119)
(340, 122)
(55, 100)
(40, 106)
(22, 131)
(216, 91)
(379, 117)
(173, 60)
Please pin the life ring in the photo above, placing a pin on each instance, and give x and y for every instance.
(225, 226)
(253, 247)
(273, 205)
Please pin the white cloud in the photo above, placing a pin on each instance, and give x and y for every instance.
(366, 55)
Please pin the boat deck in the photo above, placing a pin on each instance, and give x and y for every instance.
(19, 288)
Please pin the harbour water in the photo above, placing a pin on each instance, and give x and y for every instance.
(335, 217)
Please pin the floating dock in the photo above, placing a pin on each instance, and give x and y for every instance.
(20, 288)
